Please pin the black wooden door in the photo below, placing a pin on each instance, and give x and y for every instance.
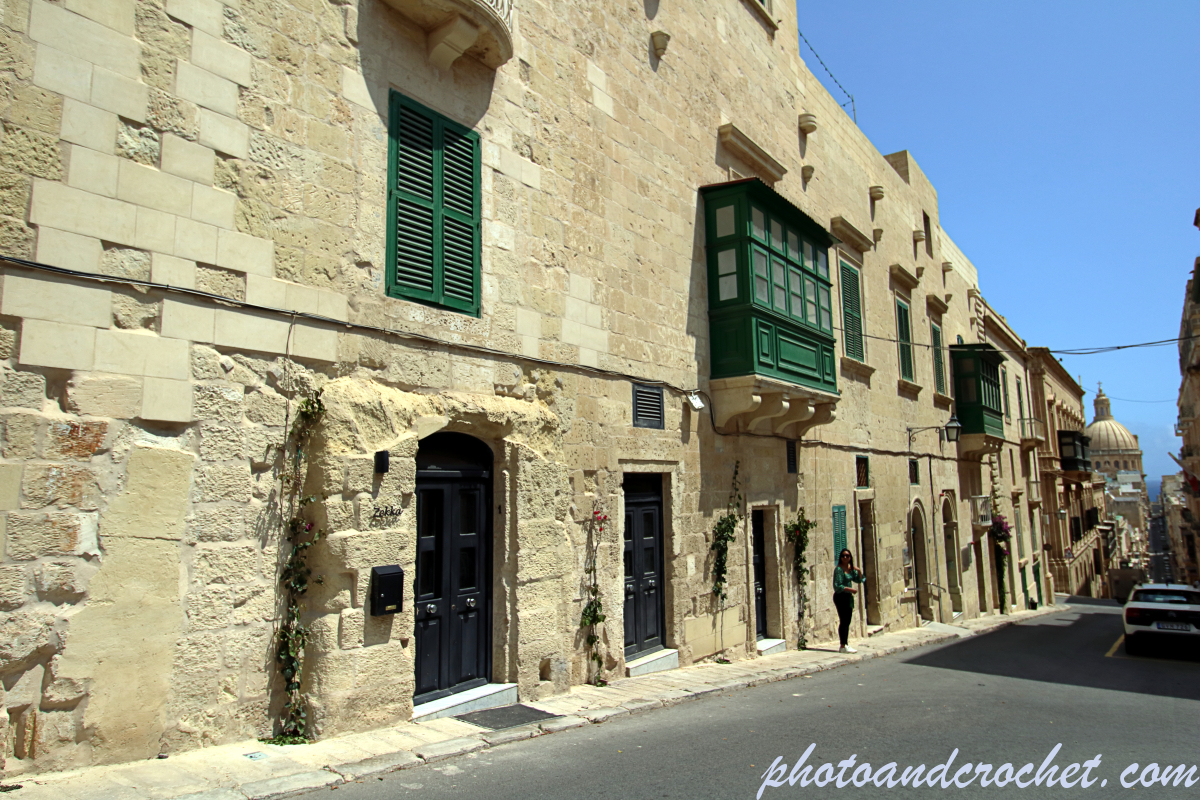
(453, 614)
(643, 564)
(759, 562)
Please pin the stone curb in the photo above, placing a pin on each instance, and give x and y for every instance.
(598, 715)
(563, 723)
(440, 751)
(377, 765)
(507, 735)
(288, 785)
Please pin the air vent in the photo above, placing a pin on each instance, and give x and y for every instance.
(862, 468)
(647, 406)
(914, 471)
(792, 467)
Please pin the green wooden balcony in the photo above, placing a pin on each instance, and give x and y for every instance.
(769, 290)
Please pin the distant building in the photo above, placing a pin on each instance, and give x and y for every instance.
(1113, 447)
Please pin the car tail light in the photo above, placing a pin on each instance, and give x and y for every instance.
(1137, 616)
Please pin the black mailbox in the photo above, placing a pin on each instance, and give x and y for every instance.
(387, 590)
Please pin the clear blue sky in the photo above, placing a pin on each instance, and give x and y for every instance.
(1063, 139)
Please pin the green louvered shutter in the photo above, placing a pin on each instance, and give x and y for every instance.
(852, 333)
(839, 530)
(412, 202)
(460, 219)
(904, 335)
(939, 368)
(433, 208)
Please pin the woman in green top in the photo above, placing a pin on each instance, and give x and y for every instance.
(844, 578)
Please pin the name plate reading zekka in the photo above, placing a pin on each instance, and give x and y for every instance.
(385, 514)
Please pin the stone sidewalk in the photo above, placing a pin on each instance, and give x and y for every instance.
(252, 770)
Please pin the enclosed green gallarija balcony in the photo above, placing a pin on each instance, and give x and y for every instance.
(978, 398)
(769, 293)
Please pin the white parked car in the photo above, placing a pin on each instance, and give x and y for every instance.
(1160, 610)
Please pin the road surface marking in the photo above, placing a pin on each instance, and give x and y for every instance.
(1113, 649)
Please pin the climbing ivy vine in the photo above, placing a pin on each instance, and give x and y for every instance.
(299, 536)
(593, 611)
(796, 532)
(723, 534)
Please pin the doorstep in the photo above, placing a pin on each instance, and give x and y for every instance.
(769, 647)
(491, 695)
(655, 662)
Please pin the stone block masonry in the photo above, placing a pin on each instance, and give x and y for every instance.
(234, 154)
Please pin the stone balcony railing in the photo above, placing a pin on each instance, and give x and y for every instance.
(481, 29)
(503, 9)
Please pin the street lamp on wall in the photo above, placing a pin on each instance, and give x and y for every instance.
(949, 431)
(953, 429)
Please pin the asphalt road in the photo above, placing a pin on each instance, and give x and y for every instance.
(1010, 696)
(1160, 555)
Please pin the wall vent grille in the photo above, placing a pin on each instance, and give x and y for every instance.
(647, 406)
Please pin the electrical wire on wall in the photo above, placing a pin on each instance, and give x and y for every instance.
(424, 339)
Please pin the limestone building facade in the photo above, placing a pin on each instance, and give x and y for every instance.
(555, 279)
(1182, 528)
(1073, 495)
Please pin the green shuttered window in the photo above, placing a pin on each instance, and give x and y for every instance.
(939, 366)
(1004, 390)
(852, 327)
(904, 336)
(839, 530)
(433, 208)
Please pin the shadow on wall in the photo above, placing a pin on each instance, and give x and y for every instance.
(392, 55)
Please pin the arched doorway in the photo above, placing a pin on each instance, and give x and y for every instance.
(453, 597)
(950, 538)
(916, 527)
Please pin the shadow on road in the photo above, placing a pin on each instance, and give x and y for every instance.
(1072, 648)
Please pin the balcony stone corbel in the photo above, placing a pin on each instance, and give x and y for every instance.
(731, 402)
(824, 414)
(801, 409)
(481, 29)
(773, 407)
(448, 41)
(764, 405)
(976, 446)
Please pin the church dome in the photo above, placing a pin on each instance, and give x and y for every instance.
(1108, 435)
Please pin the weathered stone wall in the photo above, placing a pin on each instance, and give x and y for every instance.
(239, 148)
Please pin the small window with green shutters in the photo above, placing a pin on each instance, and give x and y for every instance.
(852, 327)
(939, 366)
(433, 208)
(839, 530)
(904, 337)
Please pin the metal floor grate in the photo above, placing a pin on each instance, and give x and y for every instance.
(506, 716)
